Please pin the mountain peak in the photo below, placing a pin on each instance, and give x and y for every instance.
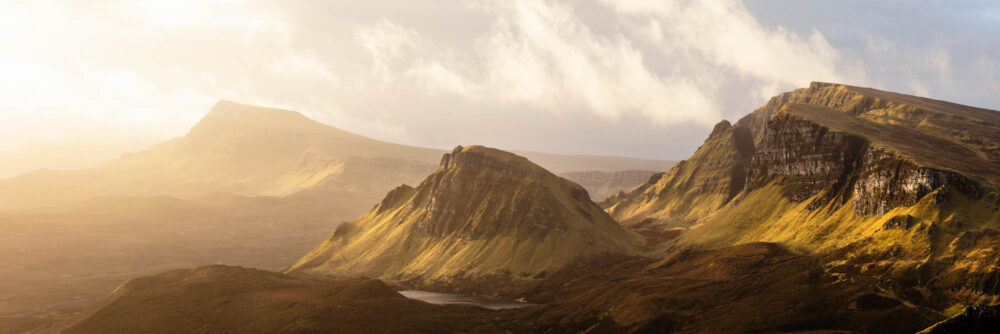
(720, 128)
(484, 213)
(227, 113)
(476, 156)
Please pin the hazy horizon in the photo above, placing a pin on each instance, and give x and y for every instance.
(602, 77)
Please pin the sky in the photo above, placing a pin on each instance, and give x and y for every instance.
(639, 78)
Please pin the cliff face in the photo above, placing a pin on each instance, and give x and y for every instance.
(483, 213)
(808, 159)
(894, 186)
(831, 145)
(977, 128)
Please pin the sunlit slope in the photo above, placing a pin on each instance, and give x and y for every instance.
(236, 148)
(835, 164)
(830, 146)
(693, 188)
(484, 212)
(889, 184)
(889, 199)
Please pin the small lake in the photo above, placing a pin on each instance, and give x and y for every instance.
(454, 299)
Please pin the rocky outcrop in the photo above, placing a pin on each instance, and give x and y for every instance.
(808, 159)
(833, 145)
(897, 188)
(483, 216)
(885, 181)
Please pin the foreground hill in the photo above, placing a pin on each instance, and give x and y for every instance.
(224, 299)
(773, 290)
(896, 186)
(484, 214)
(54, 262)
(751, 288)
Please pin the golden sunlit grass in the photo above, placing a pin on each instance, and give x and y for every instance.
(496, 233)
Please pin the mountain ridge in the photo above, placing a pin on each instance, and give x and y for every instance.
(866, 177)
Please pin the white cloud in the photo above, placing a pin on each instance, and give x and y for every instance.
(939, 60)
(176, 14)
(539, 53)
(301, 65)
(387, 42)
(397, 70)
(668, 63)
(41, 103)
(724, 34)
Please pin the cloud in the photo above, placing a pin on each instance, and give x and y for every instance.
(939, 61)
(388, 44)
(666, 61)
(296, 64)
(177, 14)
(540, 54)
(638, 77)
(42, 103)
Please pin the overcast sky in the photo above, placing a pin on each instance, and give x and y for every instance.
(617, 77)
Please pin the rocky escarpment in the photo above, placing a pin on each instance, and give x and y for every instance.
(879, 183)
(831, 146)
(976, 127)
(809, 159)
(484, 215)
(887, 185)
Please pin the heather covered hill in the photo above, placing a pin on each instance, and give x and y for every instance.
(756, 288)
(483, 214)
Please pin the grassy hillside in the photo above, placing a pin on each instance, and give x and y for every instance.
(882, 184)
(483, 213)
(693, 188)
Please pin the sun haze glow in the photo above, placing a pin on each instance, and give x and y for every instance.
(600, 77)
